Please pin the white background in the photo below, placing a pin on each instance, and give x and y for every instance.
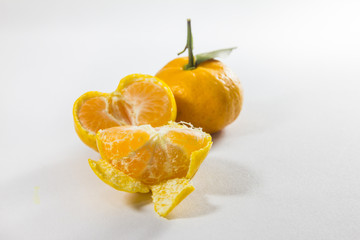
(288, 168)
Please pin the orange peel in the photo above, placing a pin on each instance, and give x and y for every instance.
(162, 159)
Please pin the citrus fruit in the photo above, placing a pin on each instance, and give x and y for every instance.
(143, 158)
(207, 93)
(139, 99)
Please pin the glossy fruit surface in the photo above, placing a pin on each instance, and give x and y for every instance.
(209, 96)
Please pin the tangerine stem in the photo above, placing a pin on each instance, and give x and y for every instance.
(191, 64)
(189, 46)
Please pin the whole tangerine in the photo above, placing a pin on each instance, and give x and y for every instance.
(207, 93)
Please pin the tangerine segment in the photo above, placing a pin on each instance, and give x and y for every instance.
(188, 139)
(121, 142)
(144, 99)
(93, 115)
(86, 135)
(115, 178)
(152, 155)
(168, 161)
(169, 194)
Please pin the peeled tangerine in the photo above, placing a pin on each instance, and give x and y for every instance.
(143, 158)
(139, 99)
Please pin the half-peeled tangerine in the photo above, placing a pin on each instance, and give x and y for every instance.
(139, 99)
(144, 158)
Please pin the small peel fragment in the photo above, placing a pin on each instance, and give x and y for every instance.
(169, 194)
(115, 178)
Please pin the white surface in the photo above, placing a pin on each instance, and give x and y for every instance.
(288, 168)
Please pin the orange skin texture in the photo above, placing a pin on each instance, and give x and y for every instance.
(209, 96)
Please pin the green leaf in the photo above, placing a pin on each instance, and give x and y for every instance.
(202, 57)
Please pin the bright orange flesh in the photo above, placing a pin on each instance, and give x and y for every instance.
(187, 138)
(138, 100)
(93, 115)
(143, 103)
(139, 103)
(148, 154)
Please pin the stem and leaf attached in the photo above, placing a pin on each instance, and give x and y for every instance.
(194, 61)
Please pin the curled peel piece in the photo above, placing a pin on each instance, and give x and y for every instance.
(115, 178)
(198, 157)
(169, 194)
